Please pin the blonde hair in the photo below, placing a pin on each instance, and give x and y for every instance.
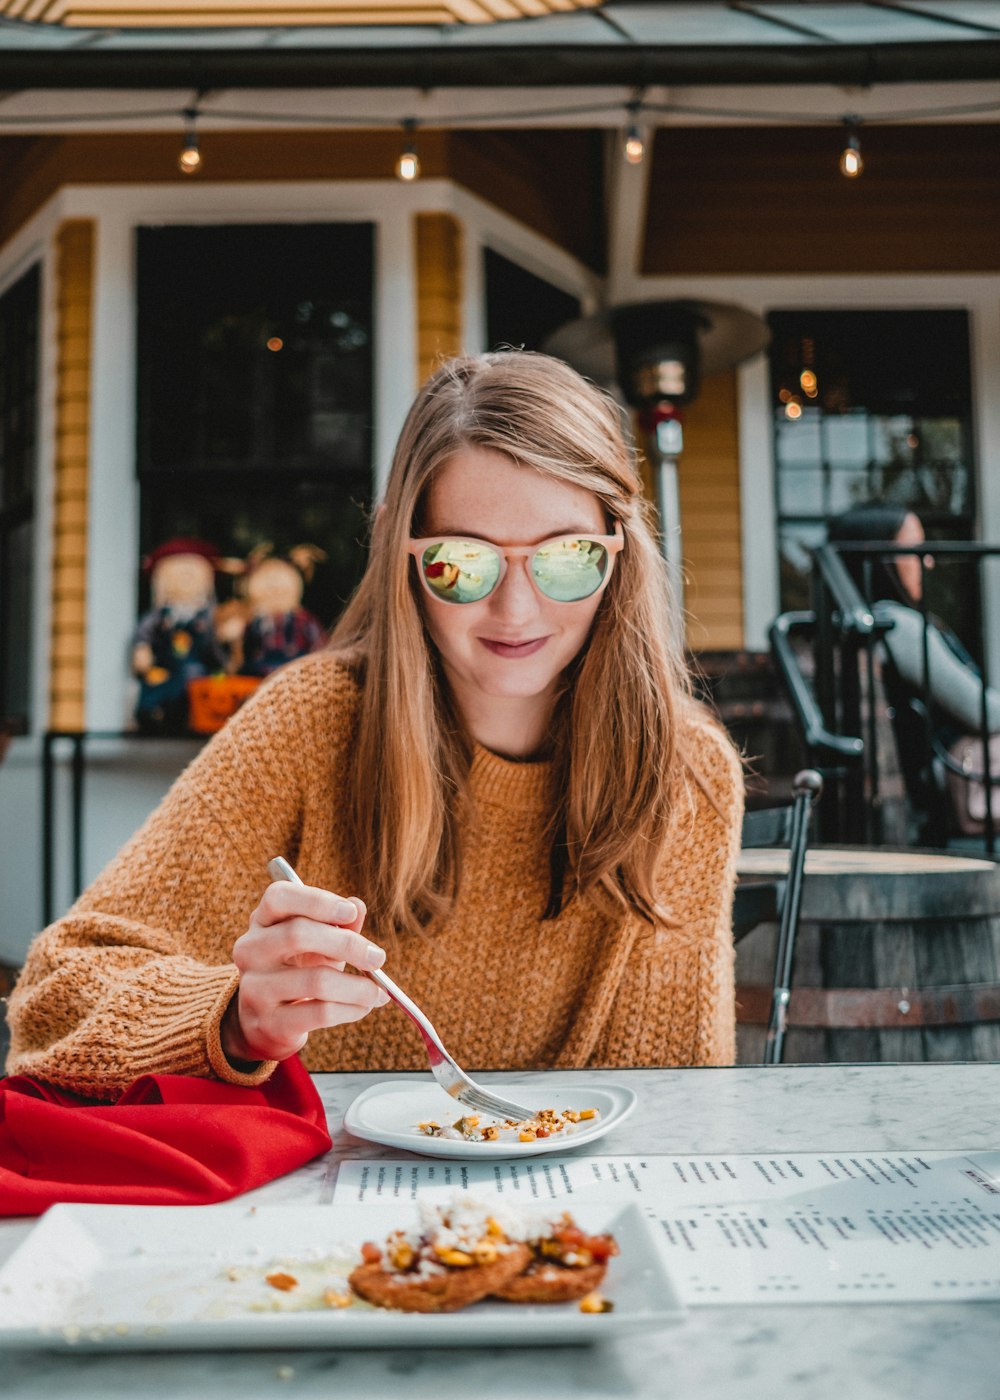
(616, 723)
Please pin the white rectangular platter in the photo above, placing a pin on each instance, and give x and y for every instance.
(165, 1277)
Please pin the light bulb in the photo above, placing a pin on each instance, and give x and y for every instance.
(408, 165)
(189, 160)
(851, 163)
(634, 147)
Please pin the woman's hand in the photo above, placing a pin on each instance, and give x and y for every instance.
(292, 978)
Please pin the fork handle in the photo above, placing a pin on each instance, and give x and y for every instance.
(280, 869)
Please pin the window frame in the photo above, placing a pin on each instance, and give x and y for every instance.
(23, 511)
(170, 479)
(802, 523)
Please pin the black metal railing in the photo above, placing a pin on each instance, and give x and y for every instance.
(875, 735)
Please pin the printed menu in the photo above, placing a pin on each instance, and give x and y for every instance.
(770, 1227)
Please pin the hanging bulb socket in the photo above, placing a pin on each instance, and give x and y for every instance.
(189, 161)
(851, 162)
(634, 148)
(408, 164)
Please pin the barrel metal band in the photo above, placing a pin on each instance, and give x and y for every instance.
(880, 1008)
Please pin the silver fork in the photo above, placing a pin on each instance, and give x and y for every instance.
(452, 1078)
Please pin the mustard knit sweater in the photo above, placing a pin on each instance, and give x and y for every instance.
(136, 976)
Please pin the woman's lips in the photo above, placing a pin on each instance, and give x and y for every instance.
(513, 649)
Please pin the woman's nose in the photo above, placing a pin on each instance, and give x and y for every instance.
(515, 598)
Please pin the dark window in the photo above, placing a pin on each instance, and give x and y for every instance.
(522, 309)
(873, 405)
(255, 391)
(19, 311)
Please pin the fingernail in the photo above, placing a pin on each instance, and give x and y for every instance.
(346, 913)
(383, 998)
(375, 957)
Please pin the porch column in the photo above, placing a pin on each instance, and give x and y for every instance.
(710, 512)
(438, 244)
(67, 648)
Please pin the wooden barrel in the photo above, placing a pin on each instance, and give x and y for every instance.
(897, 958)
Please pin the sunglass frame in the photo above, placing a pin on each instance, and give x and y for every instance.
(613, 545)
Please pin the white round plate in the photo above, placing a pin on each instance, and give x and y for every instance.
(390, 1112)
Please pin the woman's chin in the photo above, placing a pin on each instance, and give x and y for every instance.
(510, 681)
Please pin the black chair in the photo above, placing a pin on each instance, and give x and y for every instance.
(778, 900)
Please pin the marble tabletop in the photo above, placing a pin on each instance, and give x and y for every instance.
(865, 1352)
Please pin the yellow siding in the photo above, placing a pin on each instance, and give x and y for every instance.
(439, 290)
(710, 518)
(75, 254)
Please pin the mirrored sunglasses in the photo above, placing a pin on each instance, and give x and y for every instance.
(565, 569)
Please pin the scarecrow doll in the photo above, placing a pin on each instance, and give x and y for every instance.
(279, 628)
(175, 641)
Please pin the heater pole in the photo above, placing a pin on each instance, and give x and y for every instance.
(664, 433)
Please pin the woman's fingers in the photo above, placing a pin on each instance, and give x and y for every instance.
(304, 1017)
(275, 1011)
(299, 938)
(283, 900)
(321, 983)
(292, 979)
(288, 1027)
(362, 909)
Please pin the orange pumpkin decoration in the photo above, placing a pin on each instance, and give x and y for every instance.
(214, 699)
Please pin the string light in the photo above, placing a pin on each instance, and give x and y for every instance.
(189, 161)
(408, 165)
(634, 146)
(634, 149)
(851, 163)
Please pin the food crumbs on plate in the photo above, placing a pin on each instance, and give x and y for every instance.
(333, 1299)
(546, 1123)
(596, 1303)
(282, 1281)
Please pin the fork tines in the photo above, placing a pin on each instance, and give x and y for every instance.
(491, 1103)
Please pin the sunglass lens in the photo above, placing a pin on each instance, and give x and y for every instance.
(568, 570)
(460, 571)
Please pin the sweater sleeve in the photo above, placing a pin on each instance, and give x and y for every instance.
(954, 687)
(136, 977)
(677, 1001)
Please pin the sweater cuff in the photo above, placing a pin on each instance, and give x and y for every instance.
(222, 1068)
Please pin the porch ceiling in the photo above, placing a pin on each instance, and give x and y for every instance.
(412, 43)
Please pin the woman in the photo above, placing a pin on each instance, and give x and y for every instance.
(498, 753)
(895, 587)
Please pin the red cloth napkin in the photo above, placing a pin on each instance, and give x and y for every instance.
(169, 1140)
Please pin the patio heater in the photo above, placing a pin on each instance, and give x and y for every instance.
(652, 356)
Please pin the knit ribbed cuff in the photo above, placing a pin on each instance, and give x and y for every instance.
(223, 1068)
(175, 1023)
